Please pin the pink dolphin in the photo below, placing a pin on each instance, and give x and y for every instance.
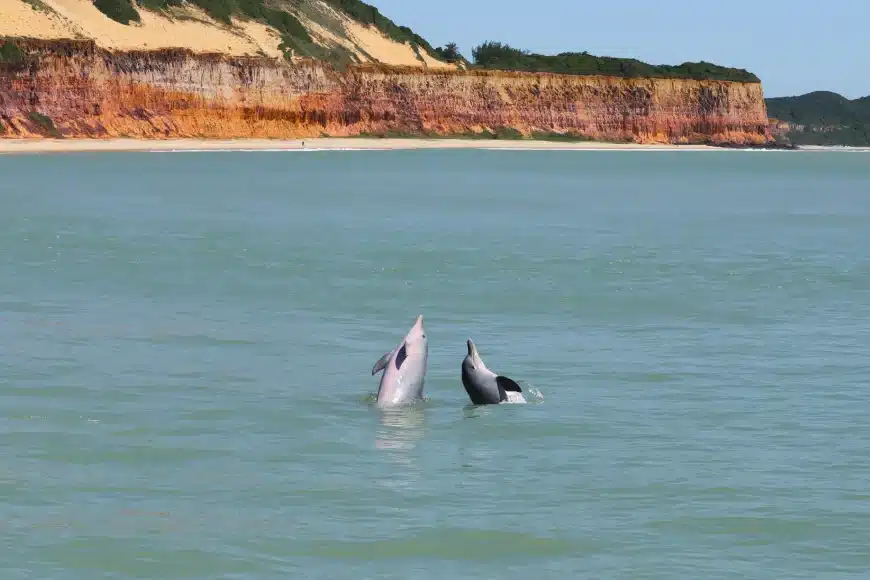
(404, 369)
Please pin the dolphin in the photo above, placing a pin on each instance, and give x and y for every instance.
(483, 386)
(404, 369)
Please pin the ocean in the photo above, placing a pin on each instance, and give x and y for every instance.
(186, 344)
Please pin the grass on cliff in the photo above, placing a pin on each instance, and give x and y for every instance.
(121, 11)
(294, 35)
(38, 5)
(10, 53)
(497, 134)
(44, 125)
(495, 55)
(12, 58)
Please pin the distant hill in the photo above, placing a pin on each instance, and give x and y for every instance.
(822, 118)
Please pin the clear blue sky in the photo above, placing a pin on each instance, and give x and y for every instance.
(794, 46)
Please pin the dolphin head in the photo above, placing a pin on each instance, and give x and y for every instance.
(416, 341)
(479, 381)
(473, 363)
(415, 346)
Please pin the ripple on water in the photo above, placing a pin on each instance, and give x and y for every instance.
(186, 346)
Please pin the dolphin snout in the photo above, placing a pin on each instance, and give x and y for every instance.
(470, 347)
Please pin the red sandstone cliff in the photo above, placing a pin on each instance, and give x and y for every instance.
(75, 89)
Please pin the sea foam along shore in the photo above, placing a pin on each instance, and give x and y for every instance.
(8, 146)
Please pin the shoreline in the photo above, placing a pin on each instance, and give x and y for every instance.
(35, 146)
(41, 146)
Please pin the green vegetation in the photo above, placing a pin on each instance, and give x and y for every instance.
(450, 53)
(119, 10)
(12, 58)
(499, 133)
(827, 118)
(38, 5)
(224, 10)
(294, 35)
(495, 55)
(503, 133)
(45, 124)
(563, 137)
(10, 54)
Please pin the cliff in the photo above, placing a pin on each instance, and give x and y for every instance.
(315, 68)
(76, 89)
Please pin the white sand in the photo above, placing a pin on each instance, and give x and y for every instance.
(386, 50)
(8, 146)
(191, 28)
(17, 18)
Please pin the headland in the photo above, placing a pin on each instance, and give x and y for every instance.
(312, 69)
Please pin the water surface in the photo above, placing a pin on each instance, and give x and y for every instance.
(186, 343)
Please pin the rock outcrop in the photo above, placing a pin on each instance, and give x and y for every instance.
(76, 89)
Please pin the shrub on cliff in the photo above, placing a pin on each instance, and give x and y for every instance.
(43, 125)
(449, 53)
(11, 57)
(293, 34)
(495, 55)
(119, 10)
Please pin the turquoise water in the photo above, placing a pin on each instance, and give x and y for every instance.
(186, 343)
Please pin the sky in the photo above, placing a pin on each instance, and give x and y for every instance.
(794, 46)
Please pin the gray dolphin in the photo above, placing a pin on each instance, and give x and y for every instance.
(404, 369)
(483, 386)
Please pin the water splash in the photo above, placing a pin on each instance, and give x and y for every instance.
(534, 395)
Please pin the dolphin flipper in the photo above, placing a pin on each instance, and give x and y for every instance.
(382, 362)
(508, 384)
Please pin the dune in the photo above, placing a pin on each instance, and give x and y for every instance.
(190, 27)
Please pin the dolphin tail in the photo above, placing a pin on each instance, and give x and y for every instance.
(508, 384)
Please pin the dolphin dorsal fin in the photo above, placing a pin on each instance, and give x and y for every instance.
(382, 363)
(508, 384)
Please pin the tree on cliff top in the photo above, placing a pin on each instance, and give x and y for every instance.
(495, 55)
(450, 53)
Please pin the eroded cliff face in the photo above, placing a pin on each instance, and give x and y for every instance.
(75, 89)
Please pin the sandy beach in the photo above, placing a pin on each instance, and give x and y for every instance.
(11, 146)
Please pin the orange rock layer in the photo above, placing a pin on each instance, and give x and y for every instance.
(74, 89)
